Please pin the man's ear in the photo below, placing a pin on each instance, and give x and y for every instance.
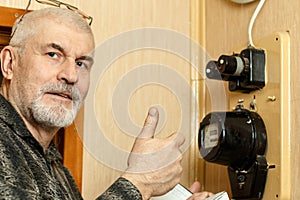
(8, 60)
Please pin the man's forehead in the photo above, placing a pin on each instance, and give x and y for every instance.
(54, 33)
(68, 49)
(65, 37)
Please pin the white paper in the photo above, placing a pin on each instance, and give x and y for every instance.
(181, 193)
(177, 193)
(219, 196)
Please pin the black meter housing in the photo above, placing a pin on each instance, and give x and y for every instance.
(245, 71)
(238, 140)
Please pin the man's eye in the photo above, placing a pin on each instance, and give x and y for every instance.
(52, 55)
(80, 64)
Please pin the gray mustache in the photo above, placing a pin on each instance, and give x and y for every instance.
(62, 88)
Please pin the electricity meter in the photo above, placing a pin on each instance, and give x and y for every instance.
(238, 140)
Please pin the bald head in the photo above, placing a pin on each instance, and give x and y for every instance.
(32, 21)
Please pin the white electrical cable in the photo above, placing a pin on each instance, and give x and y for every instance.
(257, 10)
(242, 1)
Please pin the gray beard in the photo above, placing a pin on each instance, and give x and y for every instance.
(55, 116)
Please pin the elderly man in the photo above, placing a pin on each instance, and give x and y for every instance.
(46, 73)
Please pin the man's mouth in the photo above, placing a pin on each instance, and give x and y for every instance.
(62, 94)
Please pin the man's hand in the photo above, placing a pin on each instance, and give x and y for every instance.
(197, 195)
(154, 164)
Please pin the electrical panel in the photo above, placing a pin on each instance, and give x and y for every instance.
(253, 139)
(272, 103)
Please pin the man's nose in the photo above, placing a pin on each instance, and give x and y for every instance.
(68, 72)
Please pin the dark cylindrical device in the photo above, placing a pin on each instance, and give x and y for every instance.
(231, 65)
(232, 138)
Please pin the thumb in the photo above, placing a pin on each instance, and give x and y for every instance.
(195, 187)
(150, 124)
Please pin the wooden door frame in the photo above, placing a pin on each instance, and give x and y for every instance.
(68, 139)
